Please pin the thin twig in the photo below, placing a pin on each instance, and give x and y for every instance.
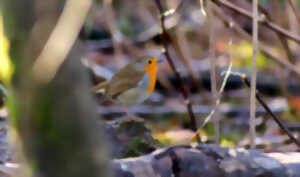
(202, 8)
(266, 50)
(294, 8)
(171, 12)
(275, 118)
(292, 19)
(253, 73)
(218, 102)
(184, 91)
(213, 80)
(261, 20)
(262, 9)
(110, 20)
(179, 6)
(182, 49)
(286, 47)
(282, 39)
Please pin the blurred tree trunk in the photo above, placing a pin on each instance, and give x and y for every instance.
(56, 122)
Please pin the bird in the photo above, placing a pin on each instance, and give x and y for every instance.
(132, 84)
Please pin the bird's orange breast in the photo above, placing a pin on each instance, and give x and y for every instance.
(151, 70)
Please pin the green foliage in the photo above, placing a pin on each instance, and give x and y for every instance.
(6, 67)
(136, 147)
(128, 28)
(13, 106)
(135, 138)
(209, 129)
(165, 140)
(229, 139)
(263, 2)
(242, 54)
(297, 3)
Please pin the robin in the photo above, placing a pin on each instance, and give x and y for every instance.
(133, 83)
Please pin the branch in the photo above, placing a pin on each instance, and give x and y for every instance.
(212, 60)
(266, 50)
(179, 6)
(60, 42)
(294, 8)
(182, 49)
(275, 118)
(173, 11)
(253, 73)
(282, 39)
(262, 20)
(184, 91)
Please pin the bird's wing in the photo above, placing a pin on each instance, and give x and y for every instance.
(101, 71)
(123, 80)
(100, 88)
(97, 69)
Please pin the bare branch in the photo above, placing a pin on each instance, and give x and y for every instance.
(253, 73)
(59, 43)
(213, 80)
(294, 8)
(266, 50)
(282, 39)
(275, 118)
(184, 91)
(173, 11)
(262, 20)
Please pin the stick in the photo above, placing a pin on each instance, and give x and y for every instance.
(282, 39)
(253, 73)
(60, 41)
(263, 21)
(266, 50)
(213, 80)
(275, 118)
(294, 8)
(184, 91)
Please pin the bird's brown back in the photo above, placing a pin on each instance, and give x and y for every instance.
(127, 78)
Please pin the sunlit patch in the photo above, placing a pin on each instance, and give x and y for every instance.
(232, 152)
(6, 67)
(242, 55)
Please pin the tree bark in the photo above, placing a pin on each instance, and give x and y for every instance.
(56, 122)
(209, 161)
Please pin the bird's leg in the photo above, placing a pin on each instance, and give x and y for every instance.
(126, 118)
(133, 117)
(130, 117)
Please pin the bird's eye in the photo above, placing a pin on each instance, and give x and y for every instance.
(149, 62)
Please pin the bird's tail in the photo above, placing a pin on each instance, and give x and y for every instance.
(98, 70)
(100, 88)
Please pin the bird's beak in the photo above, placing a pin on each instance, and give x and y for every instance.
(160, 60)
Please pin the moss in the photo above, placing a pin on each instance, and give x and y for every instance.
(137, 147)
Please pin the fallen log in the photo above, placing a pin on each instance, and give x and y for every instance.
(209, 161)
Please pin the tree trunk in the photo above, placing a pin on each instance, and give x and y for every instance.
(56, 122)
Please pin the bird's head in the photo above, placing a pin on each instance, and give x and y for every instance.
(148, 65)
